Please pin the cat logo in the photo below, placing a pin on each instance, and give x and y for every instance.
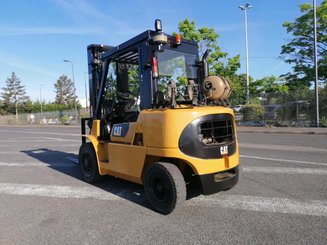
(117, 130)
(120, 130)
(224, 150)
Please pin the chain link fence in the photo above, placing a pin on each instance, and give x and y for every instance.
(45, 118)
(295, 109)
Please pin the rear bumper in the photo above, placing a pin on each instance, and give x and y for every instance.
(215, 182)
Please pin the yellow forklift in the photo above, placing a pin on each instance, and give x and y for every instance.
(158, 119)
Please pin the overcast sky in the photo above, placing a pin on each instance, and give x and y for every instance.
(35, 36)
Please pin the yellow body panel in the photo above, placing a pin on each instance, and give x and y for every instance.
(161, 129)
(126, 161)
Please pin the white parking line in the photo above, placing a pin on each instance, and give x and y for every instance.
(284, 160)
(273, 170)
(55, 191)
(264, 204)
(37, 132)
(240, 202)
(24, 153)
(60, 139)
(43, 145)
(282, 147)
(37, 164)
(44, 139)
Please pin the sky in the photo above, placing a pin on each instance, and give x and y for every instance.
(35, 36)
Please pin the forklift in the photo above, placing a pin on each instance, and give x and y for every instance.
(157, 118)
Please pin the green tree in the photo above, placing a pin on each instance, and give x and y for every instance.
(299, 52)
(269, 87)
(65, 91)
(2, 111)
(14, 94)
(207, 38)
(252, 112)
(238, 85)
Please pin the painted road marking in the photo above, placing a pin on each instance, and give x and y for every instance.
(44, 139)
(264, 204)
(73, 159)
(60, 139)
(282, 147)
(36, 164)
(37, 151)
(56, 191)
(240, 202)
(37, 132)
(284, 160)
(44, 145)
(282, 170)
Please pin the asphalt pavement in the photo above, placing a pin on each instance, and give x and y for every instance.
(281, 197)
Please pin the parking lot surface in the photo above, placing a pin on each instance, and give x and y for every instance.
(281, 196)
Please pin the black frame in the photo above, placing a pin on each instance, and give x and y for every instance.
(138, 50)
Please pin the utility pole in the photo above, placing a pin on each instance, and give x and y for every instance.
(41, 102)
(245, 8)
(69, 61)
(316, 61)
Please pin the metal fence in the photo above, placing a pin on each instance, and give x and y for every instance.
(277, 109)
(281, 109)
(45, 118)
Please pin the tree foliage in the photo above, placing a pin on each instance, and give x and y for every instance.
(207, 38)
(269, 87)
(65, 91)
(238, 85)
(14, 94)
(299, 52)
(111, 82)
(252, 112)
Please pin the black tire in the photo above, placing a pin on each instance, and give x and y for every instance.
(164, 187)
(88, 163)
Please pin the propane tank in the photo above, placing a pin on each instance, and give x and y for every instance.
(216, 88)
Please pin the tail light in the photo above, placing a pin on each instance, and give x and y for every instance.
(155, 72)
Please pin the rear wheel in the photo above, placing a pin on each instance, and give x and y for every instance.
(88, 163)
(164, 187)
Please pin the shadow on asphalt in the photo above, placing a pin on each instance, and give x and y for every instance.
(62, 162)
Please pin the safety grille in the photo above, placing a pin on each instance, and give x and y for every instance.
(216, 132)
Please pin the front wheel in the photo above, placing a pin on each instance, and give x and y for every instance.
(164, 187)
(88, 163)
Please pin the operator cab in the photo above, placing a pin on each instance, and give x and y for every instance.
(150, 71)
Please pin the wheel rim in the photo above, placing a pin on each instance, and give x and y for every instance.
(86, 165)
(159, 188)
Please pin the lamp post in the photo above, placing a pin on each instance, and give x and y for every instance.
(69, 61)
(245, 8)
(316, 61)
(41, 102)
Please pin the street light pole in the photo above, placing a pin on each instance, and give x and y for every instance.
(316, 61)
(245, 8)
(41, 102)
(69, 61)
